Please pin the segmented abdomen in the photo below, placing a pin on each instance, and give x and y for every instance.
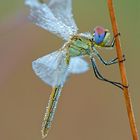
(50, 110)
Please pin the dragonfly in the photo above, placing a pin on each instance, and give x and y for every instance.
(56, 17)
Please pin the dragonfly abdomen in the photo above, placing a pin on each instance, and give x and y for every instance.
(50, 111)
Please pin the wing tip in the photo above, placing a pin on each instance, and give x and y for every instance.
(35, 67)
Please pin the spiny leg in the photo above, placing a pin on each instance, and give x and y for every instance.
(107, 63)
(50, 110)
(100, 77)
(103, 79)
(111, 44)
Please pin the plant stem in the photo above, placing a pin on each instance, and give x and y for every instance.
(123, 73)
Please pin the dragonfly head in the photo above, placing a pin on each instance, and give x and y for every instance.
(101, 36)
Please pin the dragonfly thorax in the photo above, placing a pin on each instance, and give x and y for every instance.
(79, 45)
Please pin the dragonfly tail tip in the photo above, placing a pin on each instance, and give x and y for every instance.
(44, 133)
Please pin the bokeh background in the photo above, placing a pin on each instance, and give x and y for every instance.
(88, 108)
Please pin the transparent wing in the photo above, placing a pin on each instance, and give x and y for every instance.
(78, 65)
(43, 16)
(86, 35)
(52, 68)
(62, 9)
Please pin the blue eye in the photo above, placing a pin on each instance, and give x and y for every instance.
(99, 34)
(98, 38)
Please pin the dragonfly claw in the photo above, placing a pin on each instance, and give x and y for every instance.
(118, 34)
(125, 86)
(123, 59)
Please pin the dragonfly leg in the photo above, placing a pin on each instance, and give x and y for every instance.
(111, 44)
(110, 62)
(123, 58)
(100, 77)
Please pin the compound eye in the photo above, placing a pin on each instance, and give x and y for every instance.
(99, 35)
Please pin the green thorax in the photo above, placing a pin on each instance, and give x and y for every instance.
(79, 46)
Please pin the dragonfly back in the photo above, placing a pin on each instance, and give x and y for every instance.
(79, 46)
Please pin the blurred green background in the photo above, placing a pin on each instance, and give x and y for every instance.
(88, 108)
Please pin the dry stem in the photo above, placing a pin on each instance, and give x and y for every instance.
(123, 73)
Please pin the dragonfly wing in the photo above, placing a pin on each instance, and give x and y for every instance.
(62, 9)
(43, 16)
(52, 68)
(78, 65)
